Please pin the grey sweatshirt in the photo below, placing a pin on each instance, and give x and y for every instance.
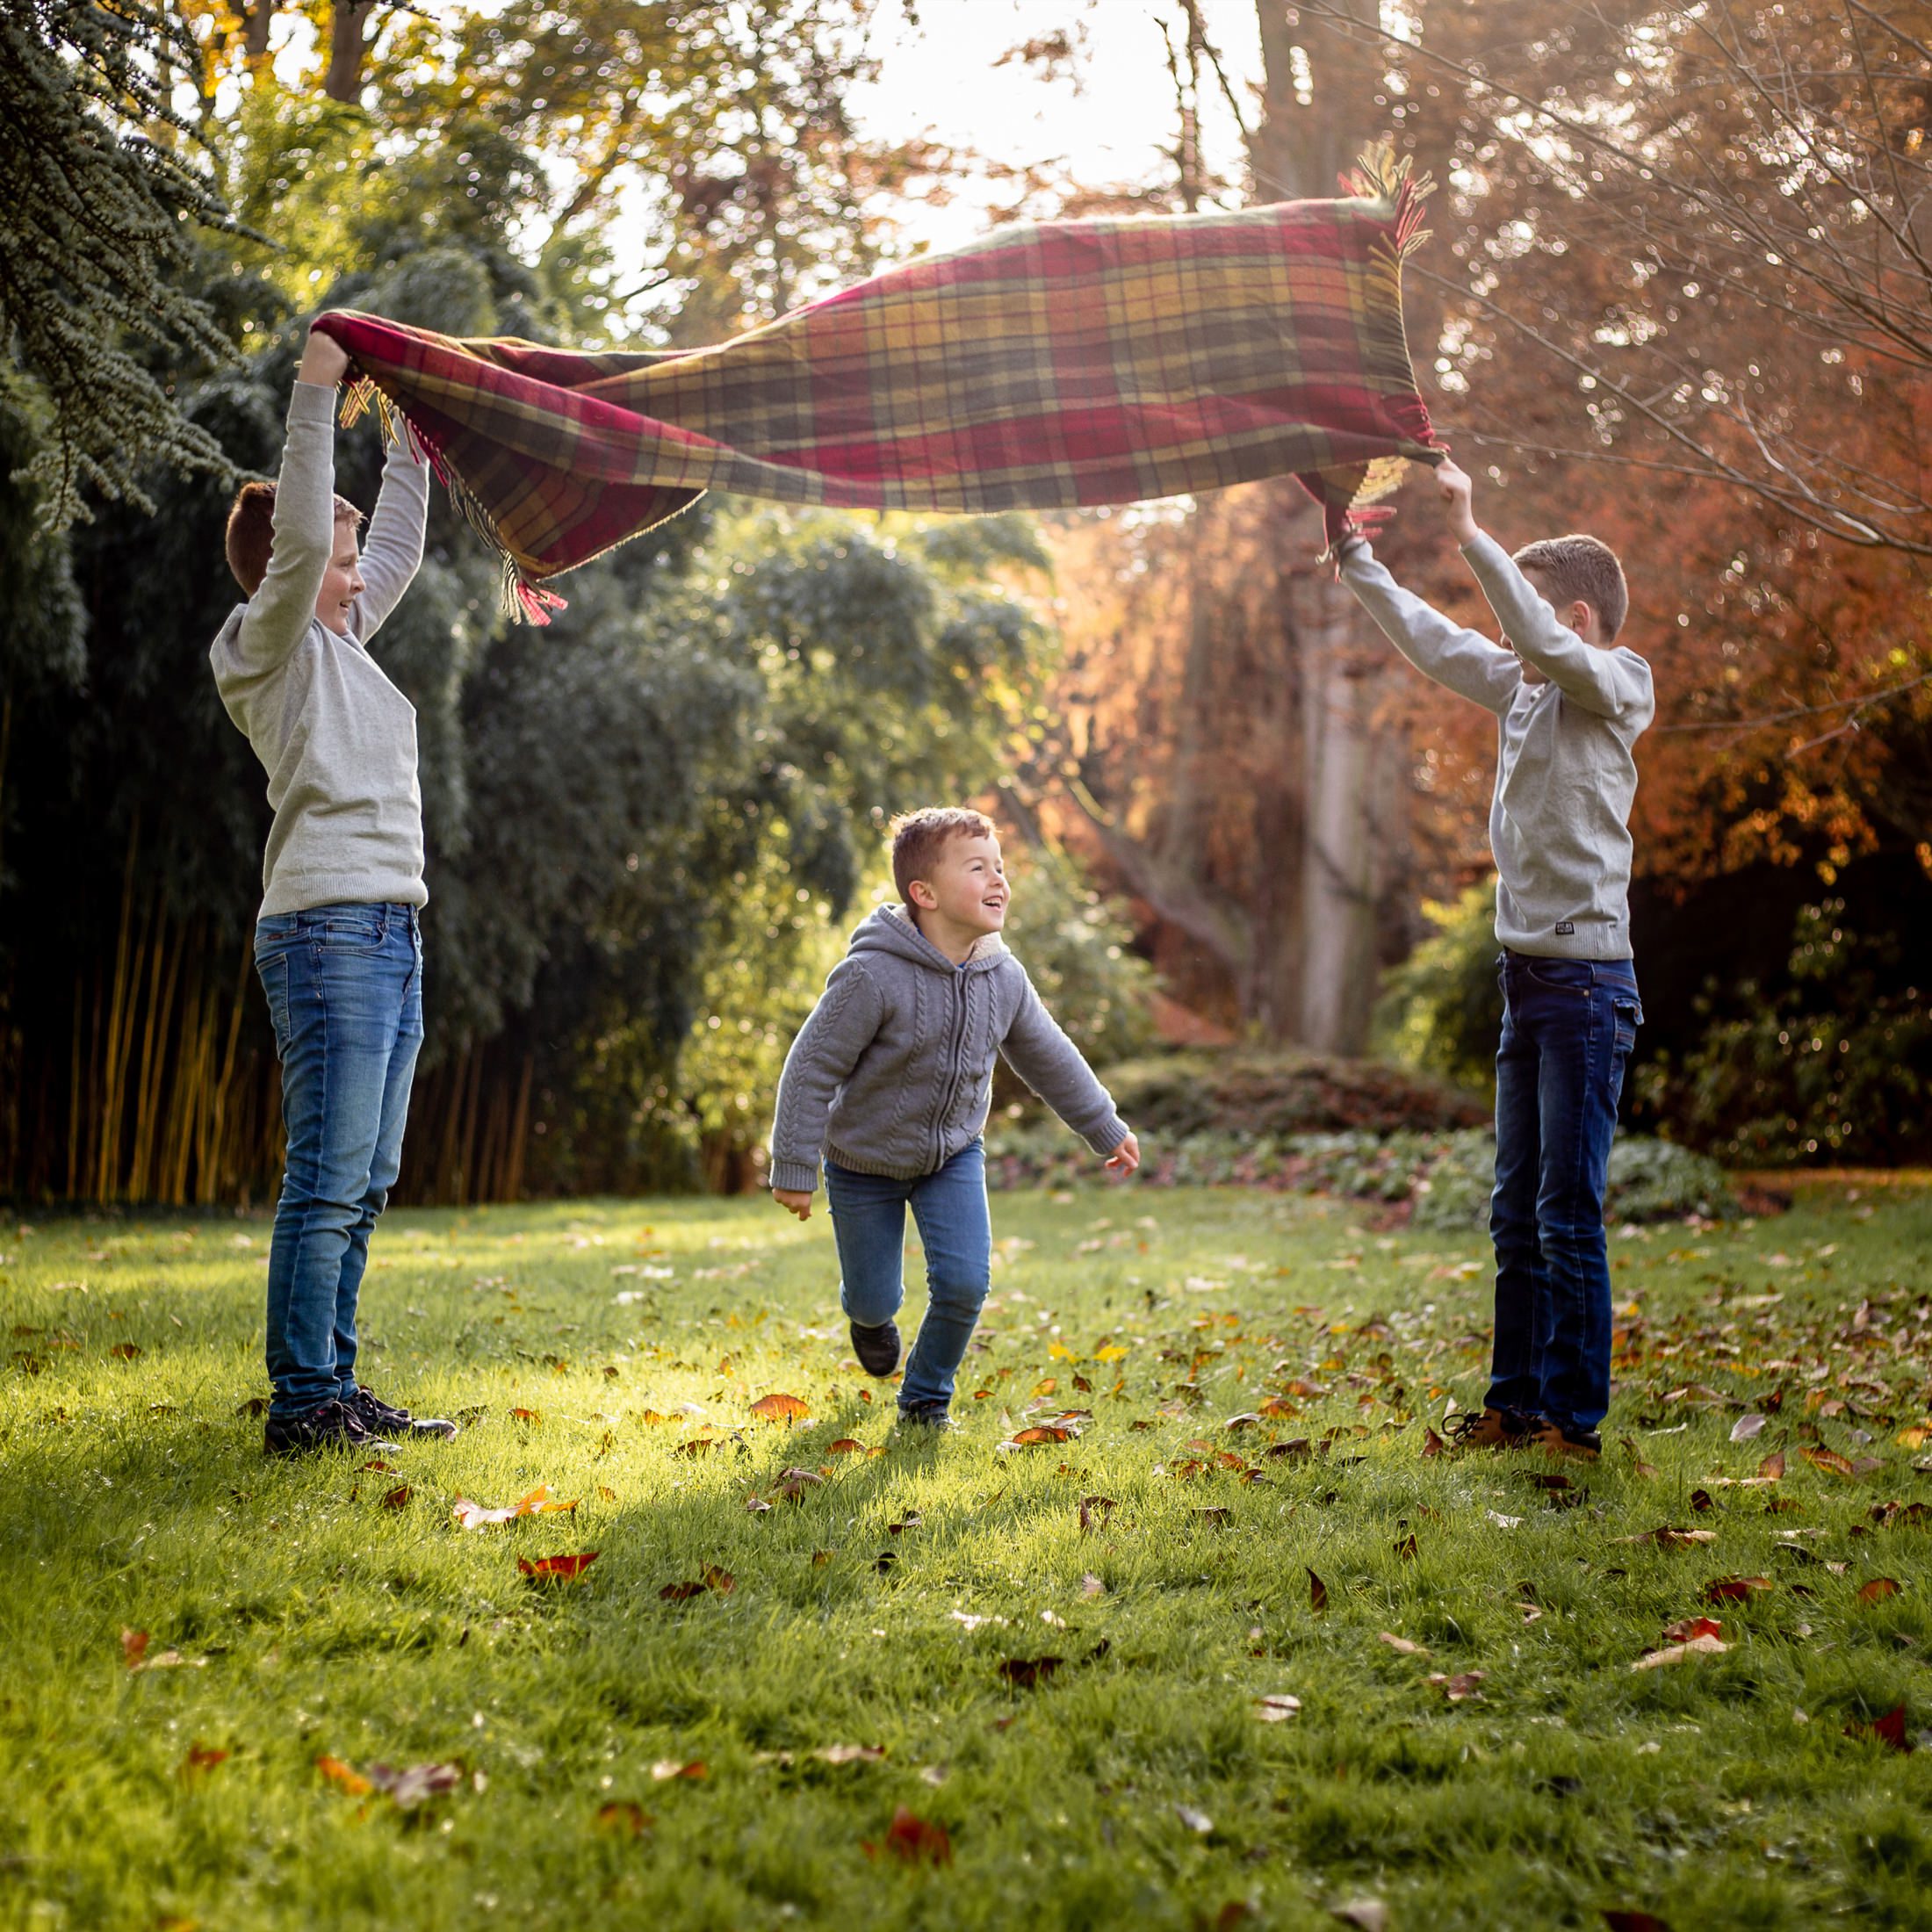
(337, 739)
(1565, 776)
(893, 1072)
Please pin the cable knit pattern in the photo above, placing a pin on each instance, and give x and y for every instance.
(893, 1074)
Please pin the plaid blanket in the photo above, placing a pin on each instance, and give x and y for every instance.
(1049, 365)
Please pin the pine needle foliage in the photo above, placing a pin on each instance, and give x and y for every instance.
(101, 190)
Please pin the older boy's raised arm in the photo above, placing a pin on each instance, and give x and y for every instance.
(281, 610)
(393, 552)
(1610, 683)
(1464, 661)
(1036, 1047)
(840, 1028)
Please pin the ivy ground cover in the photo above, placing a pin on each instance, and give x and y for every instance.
(1189, 1624)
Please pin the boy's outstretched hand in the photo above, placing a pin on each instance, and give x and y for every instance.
(1455, 487)
(325, 362)
(1125, 1158)
(793, 1202)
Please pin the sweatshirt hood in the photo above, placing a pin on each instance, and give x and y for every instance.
(889, 929)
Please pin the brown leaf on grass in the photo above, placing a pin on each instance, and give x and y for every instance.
(780, 1407)
(1693, 1646)
(125, 1351)
(603, 1490)
(652, 1417)
(1026, 1673)
(1090, 1586)
(397, 1498)
(1040, 1435)
(561, 1568)
(1219, 1516)
(201, 1758)
(698, 1445)
(1735, 1589)
(1666, 1537)
(133, 1648)
(845, 1445)
(1747, 1428)
(1700, 1501)
(820, 1558)
(343, 1776)
(1307, 1391)
(1877, 1590)
(1365, 1914)
(1827, 1458)
(1280, 1405)
(1405, 1547)
(254, 1407)
(680, 1593)
(622, 1818)
(1888, 1730)
(1772, 1468)
(1913, 1437)
(793, 1484)
(1635, 1921)
(1318, 1593)
(721, 1581)
(1402, 1646)
(1647, 1470)
(1687, 1627)
(1432, 1445)
(539, 1502)
(1463, 1688)
(668, 1767)
(1297, 1451)
(913, 1840)
(409, 1785)
(526, 1415)
(1248, 1419)
(1094, 1511)
(1277, 1709)
(756, 1504)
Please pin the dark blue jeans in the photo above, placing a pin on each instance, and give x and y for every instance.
(344, 986)
(955, 1230)
(1567, 1028)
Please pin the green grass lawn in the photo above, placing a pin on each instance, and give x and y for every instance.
(326, 1610)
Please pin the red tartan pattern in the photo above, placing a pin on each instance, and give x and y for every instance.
(1049, 365)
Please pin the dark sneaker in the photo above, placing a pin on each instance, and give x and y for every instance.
(926, 1419)
(329, 1425)
(387, 1419)
(1488, 1429)
(877, 1348)
(1565, 1439)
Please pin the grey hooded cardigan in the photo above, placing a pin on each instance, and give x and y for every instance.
(893, 1074)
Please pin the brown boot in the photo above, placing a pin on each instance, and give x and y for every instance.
(1556, 1439)
(1488, 1429)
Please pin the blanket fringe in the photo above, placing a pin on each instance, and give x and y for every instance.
(522, 599)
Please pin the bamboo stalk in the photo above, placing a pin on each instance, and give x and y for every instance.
(513, 1184)
(127, 951)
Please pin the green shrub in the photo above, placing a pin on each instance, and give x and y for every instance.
(1441, 1009)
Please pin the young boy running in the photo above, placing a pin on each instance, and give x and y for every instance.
(338, 944)
(890, 1079)
(1569, 707)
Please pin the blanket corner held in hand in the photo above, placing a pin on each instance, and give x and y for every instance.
(1049, 365)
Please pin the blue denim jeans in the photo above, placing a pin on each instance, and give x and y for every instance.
(344, 986)
(1567, 1028)
(955, 1230)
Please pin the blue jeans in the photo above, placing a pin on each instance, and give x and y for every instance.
(955, 1230)
(1567, 1028)
(344, 985)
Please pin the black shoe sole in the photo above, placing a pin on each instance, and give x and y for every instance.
(878, 1349)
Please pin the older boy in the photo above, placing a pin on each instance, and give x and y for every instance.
(338, 944)
(1570, 705)
(890, 1078)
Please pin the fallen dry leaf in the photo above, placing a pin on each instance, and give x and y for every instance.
(1090, 1585)
(622, 1818)
(1687, 1627)
(1095, 1509)
(1432, 1445)
(1039, 1436)
(1827, 1458)
(913, 1840)
(1462, 1688)
(1318, 1593)
(125, 1351)
(1877, 1590)
(668, 1767)
(414, 1784)
(792, 1485)
(559, 1567)
(1635, 1921)
(1402, 1646)
(781, 1407)
(1365, 1914)
(397, 1497)
(1735, 1589)
(1747, 1428)
(1772, 1468)
(1676, 1653)
(526, 1415)
(845, 1445)
(343, 1775)
(1405, 1548)
(1888, 1730)
(1277, 1709)
(201, 1758)
(1666, 1537)
(539, 1502)
(134, 1647)
(1025, 1673)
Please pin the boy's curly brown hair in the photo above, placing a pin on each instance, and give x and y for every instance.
(251, 532)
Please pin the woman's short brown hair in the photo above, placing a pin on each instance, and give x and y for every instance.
(916, 837)
(251, 532)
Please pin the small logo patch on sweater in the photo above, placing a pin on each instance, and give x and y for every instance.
(1565, 927)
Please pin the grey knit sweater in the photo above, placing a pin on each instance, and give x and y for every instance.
(1566, 773)
(893, 1074)
(337, 739)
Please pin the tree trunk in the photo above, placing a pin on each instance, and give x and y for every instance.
(348, 43)
(257, 17)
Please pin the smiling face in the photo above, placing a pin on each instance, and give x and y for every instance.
(341, 582)
(964, 891)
